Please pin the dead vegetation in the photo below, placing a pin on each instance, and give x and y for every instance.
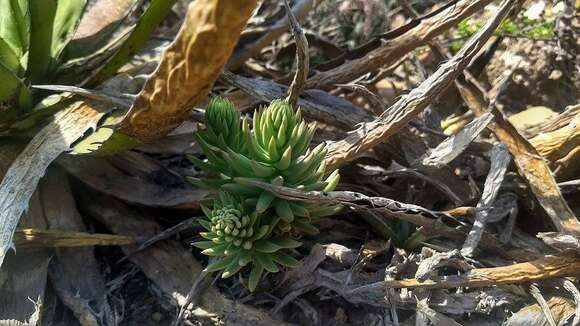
(455, 126)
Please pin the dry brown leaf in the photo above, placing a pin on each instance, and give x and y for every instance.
(100, 174)
(561, 147)
(22, 177)
(188, 68)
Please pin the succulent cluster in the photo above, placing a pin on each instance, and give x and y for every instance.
(275, 150)
(236, 239)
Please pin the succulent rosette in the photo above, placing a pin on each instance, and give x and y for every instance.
(249, 226)
(275, 150)
(238, 239)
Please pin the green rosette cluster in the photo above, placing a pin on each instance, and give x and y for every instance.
(238, 239)
(276, 150)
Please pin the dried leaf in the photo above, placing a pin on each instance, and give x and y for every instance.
(453, 146)
(22, 177)
(189, 67)
(500, 159)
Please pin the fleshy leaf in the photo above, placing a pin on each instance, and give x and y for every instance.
(266, 246)
(264, 201)
(255, 276)
(285, 259)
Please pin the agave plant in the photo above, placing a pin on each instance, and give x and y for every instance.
(37, 47)
(275, 150)
(238, 237)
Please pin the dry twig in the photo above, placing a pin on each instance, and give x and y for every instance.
(302, 59)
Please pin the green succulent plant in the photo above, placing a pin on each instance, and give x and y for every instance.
(249, 226)
(275, 150)
(238, 239)
(223, 129)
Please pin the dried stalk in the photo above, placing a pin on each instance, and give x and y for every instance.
(188, 68)
(36, 238)
(302, 59)
(407, 108)
(547, 267)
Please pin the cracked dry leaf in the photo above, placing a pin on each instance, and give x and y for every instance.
(189, 67)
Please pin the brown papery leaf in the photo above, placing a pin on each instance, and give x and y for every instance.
(562, 146)
(189, 67)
